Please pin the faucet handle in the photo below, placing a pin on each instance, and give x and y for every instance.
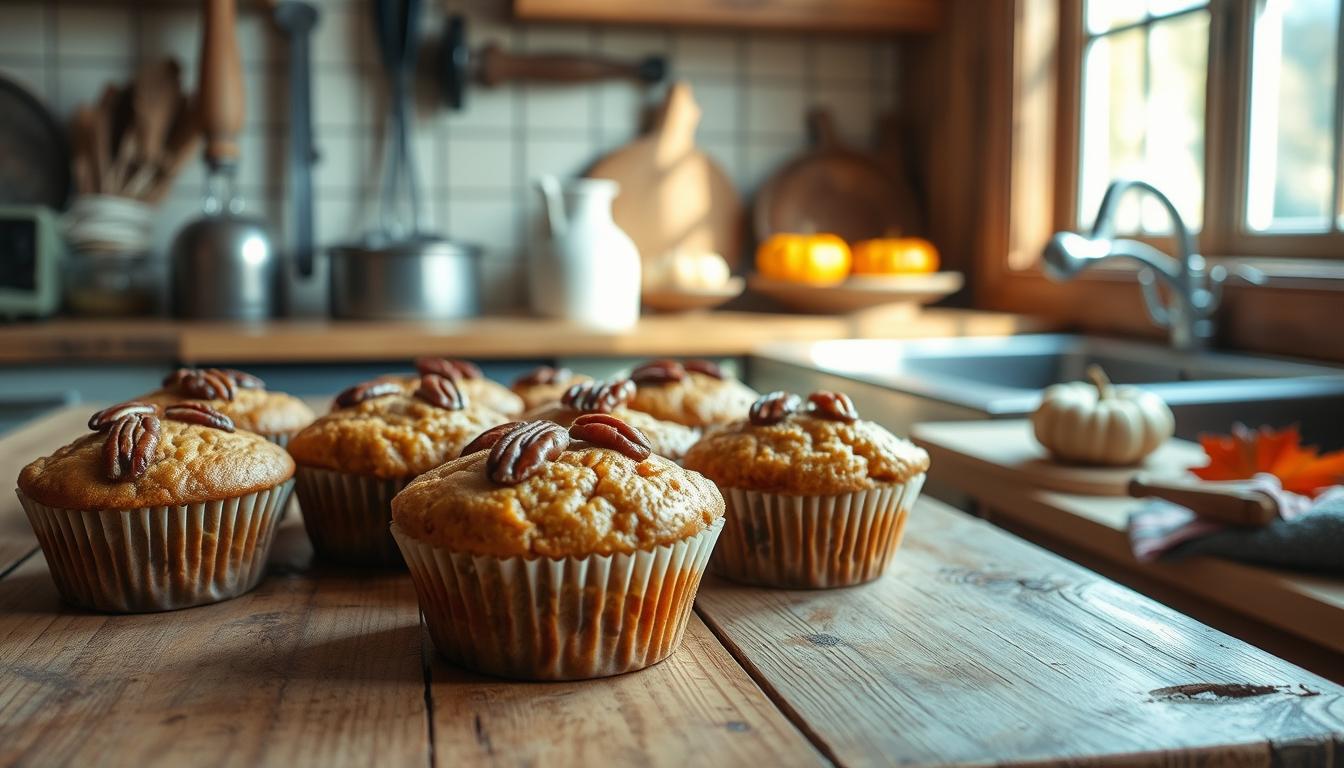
(1220, 274)
(1152, 300)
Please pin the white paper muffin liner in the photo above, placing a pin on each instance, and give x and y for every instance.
(347, 516)
(812, 542)
(158, 558)
(558, 619)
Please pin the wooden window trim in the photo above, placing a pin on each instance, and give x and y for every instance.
(1022, 125)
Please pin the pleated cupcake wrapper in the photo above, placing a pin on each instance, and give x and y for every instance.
(347, 516)
(561, 619)
(812, 542)
(158, 558)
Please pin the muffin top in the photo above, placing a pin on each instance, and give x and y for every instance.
(695, 393)
(816, 448)
(141, 455)
(666, 438)
(468, 377)
(533, 489)
(544, 385)
(240, 396)
(379, 430)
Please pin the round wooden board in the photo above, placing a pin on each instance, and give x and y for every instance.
(673, 196)
(859, 291)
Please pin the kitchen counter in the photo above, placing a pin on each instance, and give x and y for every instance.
(976, 647)
(296, 341)
(1295, 613)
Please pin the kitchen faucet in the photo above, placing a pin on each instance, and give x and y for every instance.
(1194, 290)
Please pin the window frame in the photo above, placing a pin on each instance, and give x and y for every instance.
(999, 173)
(1224, 234)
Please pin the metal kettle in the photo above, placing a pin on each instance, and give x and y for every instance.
(223, 264)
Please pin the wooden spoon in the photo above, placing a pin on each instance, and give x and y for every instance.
(156, 94)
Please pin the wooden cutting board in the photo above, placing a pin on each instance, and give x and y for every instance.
(673, 196)
(1008, 449)
(834, 188)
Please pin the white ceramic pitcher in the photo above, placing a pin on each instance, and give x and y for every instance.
(584, 270)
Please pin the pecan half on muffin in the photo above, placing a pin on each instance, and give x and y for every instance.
(352, 461)
(666, 438)
(696, 393)
(546, 553)
(481, 391)
(816, 496)
(241, 396)
(157, 509)
(544, 385)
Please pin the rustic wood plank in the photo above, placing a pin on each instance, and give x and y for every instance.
(978, 647)
(314, 667)
(727, 333)
(1306, 605)
(697, 707)
(38, 437)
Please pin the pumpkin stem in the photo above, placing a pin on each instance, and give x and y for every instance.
(1099, 380)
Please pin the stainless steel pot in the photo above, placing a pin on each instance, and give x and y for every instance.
(424, 278)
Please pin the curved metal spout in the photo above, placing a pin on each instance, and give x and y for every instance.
(1194, 292)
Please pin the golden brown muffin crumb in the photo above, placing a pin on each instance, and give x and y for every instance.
(805, 455)
(390, 437)
(191, 464)
(697, 400)
(589, 501)
(536, 395)
(255, 410)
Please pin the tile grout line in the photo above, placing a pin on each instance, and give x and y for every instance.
(771, 693)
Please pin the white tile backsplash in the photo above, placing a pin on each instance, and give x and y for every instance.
(94, 32)
(475, 166)
(24, 31)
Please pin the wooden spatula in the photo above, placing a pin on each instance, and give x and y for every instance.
(1230, 503)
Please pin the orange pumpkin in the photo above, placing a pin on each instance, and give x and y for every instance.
(820, 259)
(895, 256)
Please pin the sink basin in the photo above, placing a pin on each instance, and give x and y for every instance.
(1003, 376)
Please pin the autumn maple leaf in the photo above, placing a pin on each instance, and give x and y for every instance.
(1245, 453)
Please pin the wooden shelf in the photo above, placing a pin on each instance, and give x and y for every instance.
(861, 16)
(299, 341)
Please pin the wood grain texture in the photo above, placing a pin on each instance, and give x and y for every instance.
(1006, 449)
(864, 16)
(314, 667)
(697, 707)
(297, 341)
(977, 647)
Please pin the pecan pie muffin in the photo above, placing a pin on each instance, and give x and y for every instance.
(544, 385)
(241, 396)
(352, 461)
(695, 393)
(816, 497)
(481, 391)
(667, 438)
(552, 554)
(157, 509)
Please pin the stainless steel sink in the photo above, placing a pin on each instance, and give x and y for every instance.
(991, 377)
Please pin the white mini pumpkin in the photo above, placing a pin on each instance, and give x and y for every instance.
(1099, 423)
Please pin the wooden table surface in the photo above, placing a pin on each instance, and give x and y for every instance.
(979, 458)
(294, 341)
(975, 648)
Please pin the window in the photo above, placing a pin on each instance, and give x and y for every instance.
(1231, 107)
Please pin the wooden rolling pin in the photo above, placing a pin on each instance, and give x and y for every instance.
(1230, 503)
